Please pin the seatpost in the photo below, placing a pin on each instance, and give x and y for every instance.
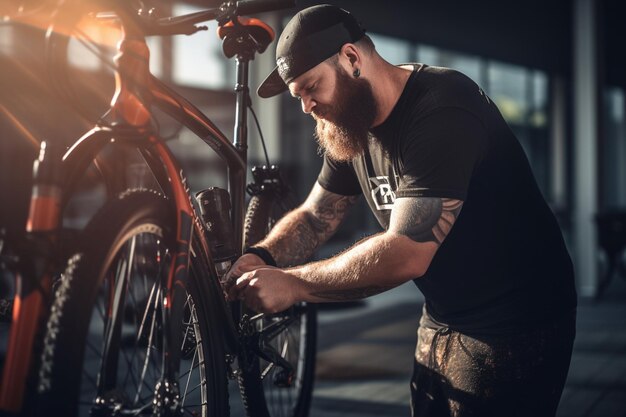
(242, 41)
(242, 91)
(240, 141)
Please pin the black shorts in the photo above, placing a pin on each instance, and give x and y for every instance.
(519, 375)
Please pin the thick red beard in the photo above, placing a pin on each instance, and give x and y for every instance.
(342, 129)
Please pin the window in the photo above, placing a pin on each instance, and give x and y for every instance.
(508, 86)
(6, 39)
(614, 149)
(81, 55)
(198, 60)
(156, 55)
(538, 116)
(94, 45)
(393, 50)
(467, 64)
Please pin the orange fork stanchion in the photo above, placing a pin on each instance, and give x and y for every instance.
(33, 286)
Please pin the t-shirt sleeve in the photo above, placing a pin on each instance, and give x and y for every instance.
(338, 177)
(440, 154)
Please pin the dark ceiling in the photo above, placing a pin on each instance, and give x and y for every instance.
(531, 33)
(614, 41)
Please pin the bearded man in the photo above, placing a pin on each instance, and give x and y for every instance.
(462, 216)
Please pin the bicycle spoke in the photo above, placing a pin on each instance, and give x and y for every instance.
(140, 332)
(200, 363)
(100, 310)
(116, 294)
(147, 359)
(186, 392)
(123, 324)
(95, 350)
(195, 388)
(129, 368)
(92, 380)
(192, 412)
(269, 333)
(271, 365)
(129, 256)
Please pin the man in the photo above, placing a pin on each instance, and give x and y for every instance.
(462, 214)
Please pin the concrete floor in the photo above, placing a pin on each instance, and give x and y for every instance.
(365, 357)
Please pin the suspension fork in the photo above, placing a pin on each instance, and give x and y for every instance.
(34, 276)
(176, 278)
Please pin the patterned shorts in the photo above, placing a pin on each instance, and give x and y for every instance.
(457, 375)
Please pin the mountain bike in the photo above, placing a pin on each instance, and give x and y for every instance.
(139, 323)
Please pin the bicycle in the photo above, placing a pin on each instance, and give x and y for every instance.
(139, 323)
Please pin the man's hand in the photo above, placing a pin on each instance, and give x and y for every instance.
(246, 262)
(267, 289)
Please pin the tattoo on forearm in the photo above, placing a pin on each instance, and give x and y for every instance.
(351, 293)
(304, 242)
(333, 207)
(426, 219)
(297, 238)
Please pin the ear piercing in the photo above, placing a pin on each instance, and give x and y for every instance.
(356, 73)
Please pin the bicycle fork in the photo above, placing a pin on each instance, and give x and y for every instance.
(33, 280)
(167, 397)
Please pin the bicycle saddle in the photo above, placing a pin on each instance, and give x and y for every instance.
(245, 36)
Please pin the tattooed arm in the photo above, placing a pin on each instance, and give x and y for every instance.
(296, 236)
(426, 219)
(417, 228)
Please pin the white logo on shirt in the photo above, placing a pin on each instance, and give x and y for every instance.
(382, 194)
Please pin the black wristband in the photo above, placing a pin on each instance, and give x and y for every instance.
(262, 253)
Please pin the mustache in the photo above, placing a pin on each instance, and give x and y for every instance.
(319, 115)
(324, 112)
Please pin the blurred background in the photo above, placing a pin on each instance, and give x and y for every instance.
(556, 69)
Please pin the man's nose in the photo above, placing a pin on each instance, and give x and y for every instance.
(308, 104)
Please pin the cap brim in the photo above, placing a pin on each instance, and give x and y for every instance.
(272, 85)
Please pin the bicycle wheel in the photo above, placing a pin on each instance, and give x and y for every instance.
(104, 347)
(268, 390)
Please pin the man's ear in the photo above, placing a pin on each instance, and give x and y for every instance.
(352, 54)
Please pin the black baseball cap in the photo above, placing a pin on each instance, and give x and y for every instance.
(311, 36)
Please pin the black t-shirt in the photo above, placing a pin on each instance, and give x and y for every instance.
(504, 264)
